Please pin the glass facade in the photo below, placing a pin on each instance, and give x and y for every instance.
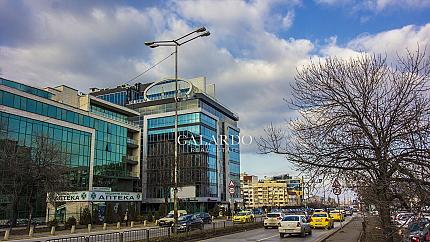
(108, 114)
(234, 158)
(166, 89)
(75, 144)
(197, 159)
(119, 98)
(25, 88)
(111, 139)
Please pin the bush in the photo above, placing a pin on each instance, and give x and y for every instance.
(158, 214)
(70, 222)
(52, 223)
(214, 211)
(85, 217)
(149, 216)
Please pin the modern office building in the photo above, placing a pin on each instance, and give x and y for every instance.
(271, 192)
(206, 164)
(102, 147)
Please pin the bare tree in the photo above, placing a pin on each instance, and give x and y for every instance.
(366, 120)
(28, 172)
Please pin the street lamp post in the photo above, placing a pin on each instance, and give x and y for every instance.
(201, 32)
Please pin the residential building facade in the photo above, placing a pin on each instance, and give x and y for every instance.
(102, 147)
(208, 145)
(271, 192)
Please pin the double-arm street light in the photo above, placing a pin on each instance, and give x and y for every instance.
(200, 32)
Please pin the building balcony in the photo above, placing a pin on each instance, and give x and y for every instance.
(131, 160)
(131, 143)
(124, 175)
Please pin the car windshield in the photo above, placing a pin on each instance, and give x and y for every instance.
(273, 215)
(291, 218)
(184, 218)
(241, 213)
(169, 215)
(319, 215)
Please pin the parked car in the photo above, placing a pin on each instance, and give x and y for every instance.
(206, 217)
(321, 220)
(243, 217)
(169, 219)
(418, 230)
(294, 224)
(189, 222)
(273, 220)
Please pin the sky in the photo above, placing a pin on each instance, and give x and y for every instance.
(252, 54)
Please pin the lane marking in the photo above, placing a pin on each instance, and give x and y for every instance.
(268, 238)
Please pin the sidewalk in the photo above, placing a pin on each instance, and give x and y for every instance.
(350, 233)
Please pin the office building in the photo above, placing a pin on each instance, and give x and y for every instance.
(206, 165)
(271, 192)
(102, 147)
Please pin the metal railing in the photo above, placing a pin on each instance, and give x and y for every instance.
(148, 234)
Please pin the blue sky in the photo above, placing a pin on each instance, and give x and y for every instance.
(251, 55)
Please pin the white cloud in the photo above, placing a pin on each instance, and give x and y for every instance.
(393, 41)
(378, 5)
(251, 66)
(288, 20)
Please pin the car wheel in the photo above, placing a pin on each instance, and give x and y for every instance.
(310, 232)
(303, 233)
(265, 227)
(281, 235)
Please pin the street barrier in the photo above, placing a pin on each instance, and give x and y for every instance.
(148, 234)
(71, 239)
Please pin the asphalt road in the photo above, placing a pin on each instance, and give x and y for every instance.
(272, 235)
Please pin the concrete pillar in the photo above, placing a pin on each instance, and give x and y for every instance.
(118, 225)
(132, 224)
(89, 228)
(72, 230)
(31, 232)
(6, 234)
(144, 223)
(104, 226)
(53, 230)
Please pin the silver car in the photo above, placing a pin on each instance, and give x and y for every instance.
(294, 224)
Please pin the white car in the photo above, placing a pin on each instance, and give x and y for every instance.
(294, 224)
(273, 220)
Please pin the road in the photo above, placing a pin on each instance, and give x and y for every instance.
(271, 235)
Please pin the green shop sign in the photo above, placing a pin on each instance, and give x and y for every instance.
(96, 196)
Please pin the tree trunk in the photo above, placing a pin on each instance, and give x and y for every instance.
(385, 216)
(14, 217)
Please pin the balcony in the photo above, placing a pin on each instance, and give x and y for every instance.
(131, 160)
(120, 174)
(131, 143)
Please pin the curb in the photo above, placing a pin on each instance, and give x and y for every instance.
(325, 237)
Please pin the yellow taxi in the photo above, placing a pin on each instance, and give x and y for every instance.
(321, 220)
(337, 215)
(243, 217)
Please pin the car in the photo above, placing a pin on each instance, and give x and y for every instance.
(206, 217)
(243, 217)
(294, 224)
(321, 220)
(418, 230)
(169, 219)
(337, 215)
(348, 212)
(273, 220)
(189, 222)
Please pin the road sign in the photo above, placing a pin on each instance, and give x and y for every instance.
(337, 190)
(231, 184)
(231, 190)
(335, 183)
